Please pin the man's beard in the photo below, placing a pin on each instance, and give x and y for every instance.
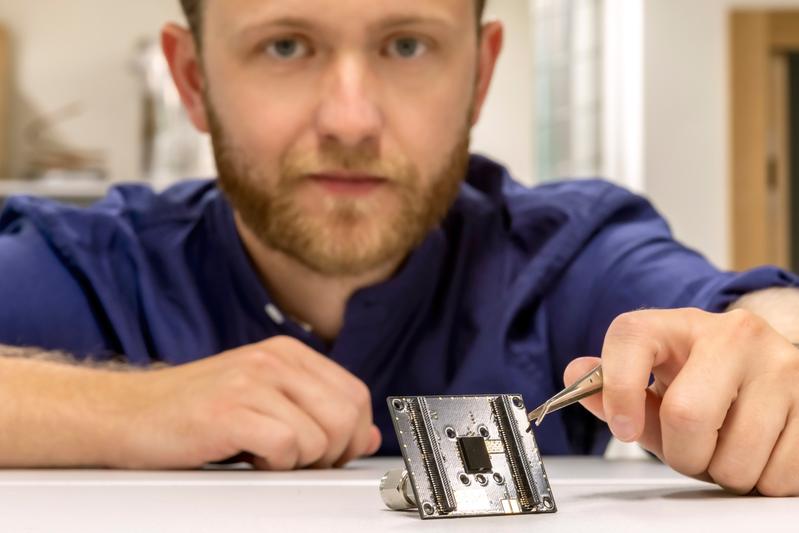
(348, 236)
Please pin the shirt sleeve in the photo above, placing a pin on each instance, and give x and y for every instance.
(42, 304)
(633, 262)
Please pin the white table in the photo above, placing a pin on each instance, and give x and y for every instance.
(592, 495)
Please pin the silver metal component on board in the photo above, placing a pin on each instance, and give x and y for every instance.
(396, 492)
(466, 456)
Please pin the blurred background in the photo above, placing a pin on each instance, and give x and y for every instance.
(685, 101)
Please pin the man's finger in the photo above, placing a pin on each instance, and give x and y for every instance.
(361, 445)
(636, 344)
(332, 401)
(272, 441)
(342, 421)
(323, 368)
(312, 439)
(577, 369)
(781, 475)
(632, 346)
(696, 403)
(347, 424)
(650, 438)
(344, 418)
(375, 439)
(745, 442)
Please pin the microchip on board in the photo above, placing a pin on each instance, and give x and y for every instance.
(466, 456)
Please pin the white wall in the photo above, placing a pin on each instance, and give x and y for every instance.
(505, 131)
(81, 50)
(686, 117)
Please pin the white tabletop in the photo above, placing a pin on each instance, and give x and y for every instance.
(592, 495)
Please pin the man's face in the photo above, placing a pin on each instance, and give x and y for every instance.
(340, 127)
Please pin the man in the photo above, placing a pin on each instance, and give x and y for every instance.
(358, 251)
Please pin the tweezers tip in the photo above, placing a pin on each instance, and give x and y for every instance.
(544, 411)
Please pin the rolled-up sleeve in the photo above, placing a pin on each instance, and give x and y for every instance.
(633, 262)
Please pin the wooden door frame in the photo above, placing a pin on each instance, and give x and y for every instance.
(5, 101)
(756, 38)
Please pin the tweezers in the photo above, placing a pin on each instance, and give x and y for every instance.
(586, 386)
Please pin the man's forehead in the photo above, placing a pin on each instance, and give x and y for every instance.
(239, 15)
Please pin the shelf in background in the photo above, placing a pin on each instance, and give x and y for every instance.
(55, 189)
(78, 190)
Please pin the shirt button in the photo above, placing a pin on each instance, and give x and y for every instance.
(275, 314)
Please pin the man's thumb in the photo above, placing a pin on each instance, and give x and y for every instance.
(577, 369)
(650, 439)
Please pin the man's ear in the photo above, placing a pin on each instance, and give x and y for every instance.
(185, 64)
(491, 41)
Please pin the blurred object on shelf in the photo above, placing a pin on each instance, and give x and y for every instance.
(71, 190)
(5, 96)
(173, 148)
(50, 158)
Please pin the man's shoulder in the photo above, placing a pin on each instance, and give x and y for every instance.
(583, 205)
(100, 272)
(127, 209)
(537, 231)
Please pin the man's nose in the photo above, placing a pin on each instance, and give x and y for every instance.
(348, 112)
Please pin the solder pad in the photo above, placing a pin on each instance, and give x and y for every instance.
(471, 456)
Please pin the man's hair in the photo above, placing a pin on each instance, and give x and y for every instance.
(194, 14)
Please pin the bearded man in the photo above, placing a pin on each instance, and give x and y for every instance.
(352, 249)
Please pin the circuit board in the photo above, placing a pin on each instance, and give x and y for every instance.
(470, 456)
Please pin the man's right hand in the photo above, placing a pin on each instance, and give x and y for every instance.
(278, 400)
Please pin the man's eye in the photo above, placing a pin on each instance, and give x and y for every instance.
(407, 48)
(287, 49)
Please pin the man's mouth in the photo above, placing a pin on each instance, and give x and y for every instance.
(348, 183)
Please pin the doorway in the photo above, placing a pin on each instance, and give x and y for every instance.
(764, 81)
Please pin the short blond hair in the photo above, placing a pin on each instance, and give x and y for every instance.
(194, 15)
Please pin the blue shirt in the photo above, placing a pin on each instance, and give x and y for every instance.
(514, 284)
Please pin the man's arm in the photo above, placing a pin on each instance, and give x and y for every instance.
(55, 412)
(724, 405)
(278, 400)
(778, 306)
(281, 402)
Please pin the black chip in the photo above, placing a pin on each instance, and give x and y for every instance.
(474, 454)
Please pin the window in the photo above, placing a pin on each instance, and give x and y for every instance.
(568, 74)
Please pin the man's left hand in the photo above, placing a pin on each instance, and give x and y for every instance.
(724, 403)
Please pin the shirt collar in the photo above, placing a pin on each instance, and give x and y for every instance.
(392, 301)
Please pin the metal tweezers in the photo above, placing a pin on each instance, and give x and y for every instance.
(586, 386)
